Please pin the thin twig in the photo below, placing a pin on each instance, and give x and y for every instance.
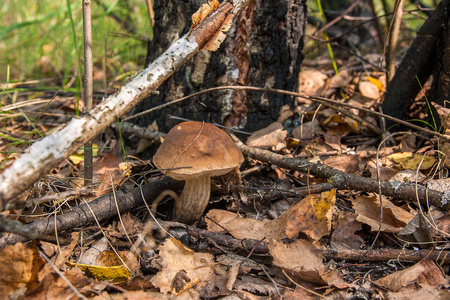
(312, 98)
(74, 289)
(347, 181)
(88, 87)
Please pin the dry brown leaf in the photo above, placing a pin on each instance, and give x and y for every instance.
(52, 286)
(345, 163)
(417, 231)
(305, 266)
(19, 265)
(240, 228)
(302, 261)
(424, 273)
(442, 185)
(444, 115)
(368, 210)
(110, 172)
(426, 292)
(340, 125)
(312, 216)
(130, 226)
(408, 176)
(270, 136)
(369, 89)
(307, 130)
(176, 259)
(386, 173)
(334, 142)
(311, 82)
(343, 236)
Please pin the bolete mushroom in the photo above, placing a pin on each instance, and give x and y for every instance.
(195, 151)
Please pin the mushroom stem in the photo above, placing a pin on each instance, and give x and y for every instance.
(193, 199)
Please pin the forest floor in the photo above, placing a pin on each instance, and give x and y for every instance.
(328, 203)
(282, 228)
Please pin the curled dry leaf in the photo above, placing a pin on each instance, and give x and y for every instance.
(178, 264)
(368, 211)
(311, 82)
(410, 161)
(312, 216)
(417, 231)
(424, 273)
(270, 136)
(234, 224)
(19, 265)
(307, 266)
(343, 236)
(344, 163)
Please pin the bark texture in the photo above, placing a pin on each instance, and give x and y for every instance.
(421, 58)
(440, 89)
(262, 48)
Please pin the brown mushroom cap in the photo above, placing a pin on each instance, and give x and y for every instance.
(198, 149)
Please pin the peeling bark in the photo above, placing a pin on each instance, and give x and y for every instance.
(47, 153)
(263, 48)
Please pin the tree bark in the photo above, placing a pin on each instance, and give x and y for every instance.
(262, 48)
(440, 89)
(417, 65)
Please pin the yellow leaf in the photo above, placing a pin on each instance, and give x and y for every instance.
(376, 82)
(410, 161)
(116, 273)
(78, 156)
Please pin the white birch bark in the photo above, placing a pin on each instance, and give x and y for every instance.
(49, 152)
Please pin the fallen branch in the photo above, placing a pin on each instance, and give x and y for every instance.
(102, 208)
(345, 181)
(49, 152)
(261, 247)
(385, 255)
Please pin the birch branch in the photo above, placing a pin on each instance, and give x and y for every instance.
(49, 152)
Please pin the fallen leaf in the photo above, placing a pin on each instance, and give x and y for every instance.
(116, 273)
(339, 125)
(53, 287)
(223, 221)
(174, 257)
(269, 136)
(417, 231)
(19, 265)
(368, 211)
(408, 160)
(307, 130)
(369, 89)
(344, 162)
(343, 236)
(304, 263)
(311, 82)
(312, 216)
(424, 273)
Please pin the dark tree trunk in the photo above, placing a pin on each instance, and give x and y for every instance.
(440, 89)
(263, 48)
(424, 57)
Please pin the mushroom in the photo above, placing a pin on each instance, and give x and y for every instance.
(195, 151)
